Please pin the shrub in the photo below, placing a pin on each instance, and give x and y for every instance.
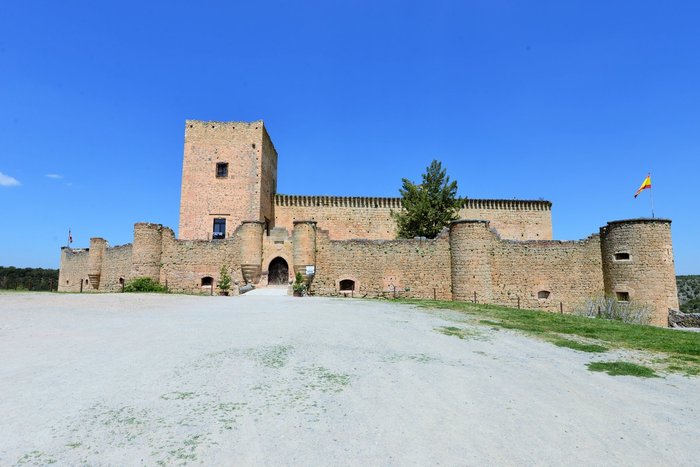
(224, 280)
(610, 308)
(299, 285)
(144, 284)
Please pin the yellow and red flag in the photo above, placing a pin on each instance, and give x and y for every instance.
(645, 184)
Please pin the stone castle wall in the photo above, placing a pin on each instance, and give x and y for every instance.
(411, 268)
(370, 218)
(570, 272)
(187, 262)
(470, 261)
(504, 255)
(116, 268)
(73, 272)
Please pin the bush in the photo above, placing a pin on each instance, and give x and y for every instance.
(224, 280)
(144, 284)
(299, 285)
(610, 308)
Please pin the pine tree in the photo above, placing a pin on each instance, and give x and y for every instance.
(428, 207)
(224, 280)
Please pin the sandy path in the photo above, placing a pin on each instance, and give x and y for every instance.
(147, 379)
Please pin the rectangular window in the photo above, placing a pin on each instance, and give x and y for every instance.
(219, 229)
(221, 169)
(623, 296)
(622, 256)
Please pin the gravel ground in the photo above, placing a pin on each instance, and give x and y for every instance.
(130, 379)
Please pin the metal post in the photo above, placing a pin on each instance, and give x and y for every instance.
(81, 285)
(518, 302)
(561, 308)
(434, 294)
(475, 296)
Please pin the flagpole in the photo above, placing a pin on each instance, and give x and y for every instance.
(651, 198)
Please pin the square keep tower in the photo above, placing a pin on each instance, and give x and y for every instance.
(229, 175)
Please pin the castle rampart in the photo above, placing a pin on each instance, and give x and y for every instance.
(499, 252)
(348, 217)
(471, 247)
(383, 268)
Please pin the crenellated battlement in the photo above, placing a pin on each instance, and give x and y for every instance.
(395, 203)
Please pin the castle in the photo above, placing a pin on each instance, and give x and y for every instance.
(500, 252)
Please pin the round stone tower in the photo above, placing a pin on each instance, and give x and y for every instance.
(97, 251)
(251, 235)
(147, 250)
(304, 249)
(638, 264)
(471, 243)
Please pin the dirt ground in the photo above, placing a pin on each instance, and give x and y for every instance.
(129, 379)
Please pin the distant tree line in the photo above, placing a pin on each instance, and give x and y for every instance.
(28, 278)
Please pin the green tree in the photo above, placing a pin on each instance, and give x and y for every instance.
(428, 207)
(224, 280)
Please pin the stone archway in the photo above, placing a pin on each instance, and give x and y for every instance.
(278, 272)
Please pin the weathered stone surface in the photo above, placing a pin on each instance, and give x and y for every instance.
(678, 319)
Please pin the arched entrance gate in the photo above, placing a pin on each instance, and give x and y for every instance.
(278, 272)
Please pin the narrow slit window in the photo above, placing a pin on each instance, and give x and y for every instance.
(221, 169)
(624, 256)
(219, 229)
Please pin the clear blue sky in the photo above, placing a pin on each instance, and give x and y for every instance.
(570, 101)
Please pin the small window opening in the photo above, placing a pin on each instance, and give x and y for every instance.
(121, 280)
(207, 281)
(623, 296)
(543, 294)
(86, 281)
(347, 285)
(253, 145)
(221, 169)
(622, 256)
(219, 229)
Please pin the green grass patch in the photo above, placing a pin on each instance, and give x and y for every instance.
(461, 332)
(551, 326)
(622, 368)
(451, 331)
(593, 348)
